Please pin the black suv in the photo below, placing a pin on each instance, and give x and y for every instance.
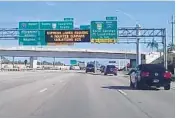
(90, 68)
(147, 75)
(110, 69)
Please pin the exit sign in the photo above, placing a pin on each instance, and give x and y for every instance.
(111, 18)
(68, 19)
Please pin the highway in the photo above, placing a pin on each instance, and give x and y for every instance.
(74, 94)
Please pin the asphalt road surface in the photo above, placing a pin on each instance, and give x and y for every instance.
(53, 94)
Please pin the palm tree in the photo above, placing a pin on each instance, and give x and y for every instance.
(153, 45)
(171, 47)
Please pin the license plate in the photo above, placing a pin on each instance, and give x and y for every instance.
(155, 80)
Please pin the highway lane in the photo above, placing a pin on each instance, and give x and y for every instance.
(76, 94)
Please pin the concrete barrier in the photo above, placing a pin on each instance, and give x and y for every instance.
(16, 69)
(33, 69)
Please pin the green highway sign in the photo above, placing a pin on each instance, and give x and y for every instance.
(103, 31)
(113, 18)
(73, 62)
(29, 25)
(36, 30)
(29, 33)
(85, 27)
(68, 19)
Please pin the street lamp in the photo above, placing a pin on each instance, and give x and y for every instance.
(128, 15)
(137, 26)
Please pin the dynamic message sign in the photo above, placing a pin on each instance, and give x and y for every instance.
(33, 33)
(57, 36)
(104, 31)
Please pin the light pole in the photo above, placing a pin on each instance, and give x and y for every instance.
(172, 25)
(137, 34)
(128, 15)
(125, 60)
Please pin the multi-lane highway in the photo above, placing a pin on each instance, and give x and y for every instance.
(76, 94)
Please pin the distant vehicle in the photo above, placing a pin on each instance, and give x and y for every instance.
(72, 68)
(90, 68)
(102, 69)
(147, 75)
(110, 69)
(81, 65)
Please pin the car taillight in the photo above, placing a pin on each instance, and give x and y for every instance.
(145, 74)
(167, 75)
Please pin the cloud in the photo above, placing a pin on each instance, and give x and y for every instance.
(50, 3)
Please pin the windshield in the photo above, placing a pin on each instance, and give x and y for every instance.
(152, 67)
(111, 66)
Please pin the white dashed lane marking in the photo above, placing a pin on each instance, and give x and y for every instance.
(45, 89)
(122, 92)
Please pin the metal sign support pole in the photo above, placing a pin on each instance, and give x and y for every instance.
(165, 48)
(1, 63)
(138, 44)
(13, 62)
(54, 61)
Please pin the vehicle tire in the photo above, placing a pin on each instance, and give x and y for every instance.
(86, 72)
(131, 85)
(167, 87)
(115, 74)
(138, 85)
(105, 73)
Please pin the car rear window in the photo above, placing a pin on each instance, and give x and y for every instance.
(111, 66)
(90, 65)
(152, 68)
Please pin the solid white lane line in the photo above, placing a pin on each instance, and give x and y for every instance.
(45, 89)
(122, 92)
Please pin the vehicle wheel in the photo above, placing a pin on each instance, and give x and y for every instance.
(115, 74)
(86, 72)
(167, 87)
(137, 85)
(105, 74)
(131, 85)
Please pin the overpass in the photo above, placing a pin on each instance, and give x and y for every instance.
(65, 53)
(34, 52)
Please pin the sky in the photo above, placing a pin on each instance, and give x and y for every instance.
(148, 14)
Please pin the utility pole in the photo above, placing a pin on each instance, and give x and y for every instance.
(172, 26)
